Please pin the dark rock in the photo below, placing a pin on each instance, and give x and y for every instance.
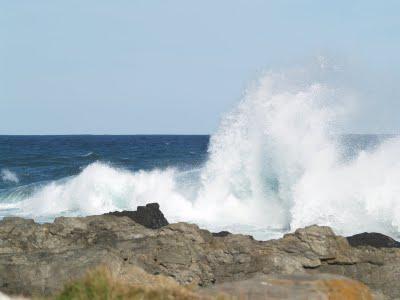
(149, 216)
(221, 234)
(373, 239)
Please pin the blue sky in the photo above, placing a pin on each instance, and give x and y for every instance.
(130, 66)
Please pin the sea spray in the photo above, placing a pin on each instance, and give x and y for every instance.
(263, 148)
(274, 165)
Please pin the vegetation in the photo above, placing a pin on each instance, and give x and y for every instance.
(99, 284)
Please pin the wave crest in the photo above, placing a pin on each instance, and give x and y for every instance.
(100, 188)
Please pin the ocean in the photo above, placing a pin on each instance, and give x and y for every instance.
(43, 177)
(274, 164)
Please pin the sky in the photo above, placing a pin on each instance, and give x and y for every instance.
(174, 67)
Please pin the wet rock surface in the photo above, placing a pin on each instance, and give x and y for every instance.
(221, 234)
(373, 239)
(149, 216)
(37, 259)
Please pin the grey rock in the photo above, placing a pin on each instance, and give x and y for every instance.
(37, 259)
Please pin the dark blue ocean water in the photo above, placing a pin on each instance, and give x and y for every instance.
(35, 159)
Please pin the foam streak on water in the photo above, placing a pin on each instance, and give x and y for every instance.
(9, 176)
(273, 166)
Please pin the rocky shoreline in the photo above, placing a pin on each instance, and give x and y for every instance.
(38, 259)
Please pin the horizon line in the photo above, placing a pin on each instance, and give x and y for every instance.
(171, 134)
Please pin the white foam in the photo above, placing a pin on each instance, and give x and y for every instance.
(7, 175)
(100, 188)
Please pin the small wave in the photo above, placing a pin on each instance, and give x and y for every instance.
(9, 176)
(87, 154)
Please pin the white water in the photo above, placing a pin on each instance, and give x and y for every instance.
(273, 166)
(9, 176)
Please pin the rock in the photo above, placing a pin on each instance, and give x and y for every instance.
(37, 259)
(135, 281)
(300, 287)
(221, 234)
(149, 216)
(373, 239)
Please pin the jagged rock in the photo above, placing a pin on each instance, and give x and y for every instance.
(149, 216)
(373, 239)
(221, 234)
(36, 259)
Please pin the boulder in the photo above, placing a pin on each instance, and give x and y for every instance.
(373, 239)
(221, 234)
(149, 216)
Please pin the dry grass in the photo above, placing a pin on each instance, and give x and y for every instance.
(99, 284)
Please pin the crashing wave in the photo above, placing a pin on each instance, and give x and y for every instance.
(273, 164)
